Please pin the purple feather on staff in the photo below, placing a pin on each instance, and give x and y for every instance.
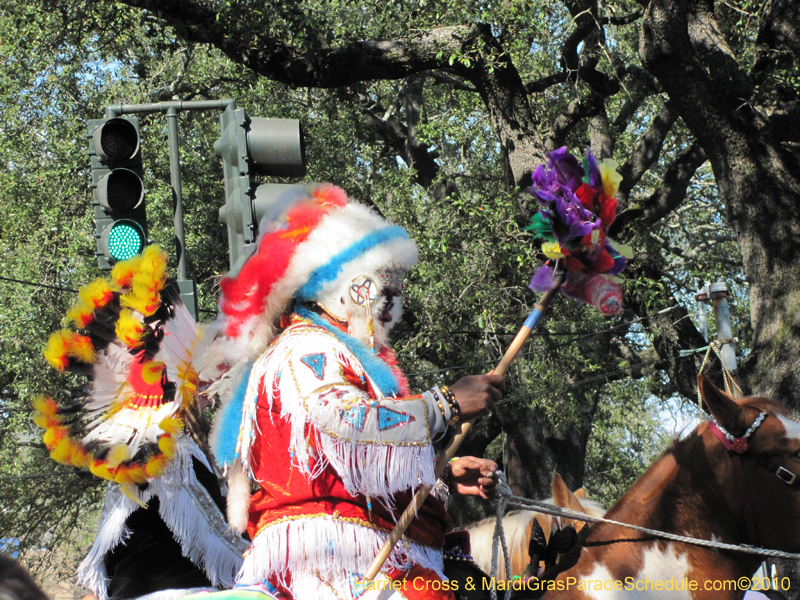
(577, 208)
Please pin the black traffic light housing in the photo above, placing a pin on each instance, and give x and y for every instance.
(251, 147)
(118, 189)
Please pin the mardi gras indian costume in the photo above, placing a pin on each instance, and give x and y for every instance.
(162, 533)
(318, 414)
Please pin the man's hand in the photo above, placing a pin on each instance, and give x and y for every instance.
(474, 476)
(476, 394)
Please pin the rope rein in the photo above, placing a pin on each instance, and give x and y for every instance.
(500, 538)
(506, 499)
(727, 376)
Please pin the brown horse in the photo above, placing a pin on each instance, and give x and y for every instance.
(693, 489)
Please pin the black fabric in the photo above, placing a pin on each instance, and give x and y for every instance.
(151, 559)
(209, 481)
(467, 580)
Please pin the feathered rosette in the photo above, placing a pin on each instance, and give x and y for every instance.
(577, 208)
(133, 338)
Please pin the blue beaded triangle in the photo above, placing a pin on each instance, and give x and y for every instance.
(315, 362)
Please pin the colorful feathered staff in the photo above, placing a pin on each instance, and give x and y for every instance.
(577, 208)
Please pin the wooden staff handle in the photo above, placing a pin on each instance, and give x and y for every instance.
(528, 326)
(463, 428)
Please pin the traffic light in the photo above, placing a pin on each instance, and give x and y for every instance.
(118, 189)
(251, 147)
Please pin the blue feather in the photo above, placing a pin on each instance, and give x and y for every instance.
(228, 423)
(331, 271)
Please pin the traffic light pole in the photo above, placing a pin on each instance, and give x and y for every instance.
(177, 194)
(186, 286)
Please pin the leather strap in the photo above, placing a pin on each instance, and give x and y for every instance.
(737, 467)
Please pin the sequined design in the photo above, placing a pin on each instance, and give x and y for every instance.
(315, 362)
(353, 577)
(389, 419)
(355, 416)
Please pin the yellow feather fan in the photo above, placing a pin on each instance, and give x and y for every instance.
(135, 344)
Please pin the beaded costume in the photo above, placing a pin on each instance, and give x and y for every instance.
(317, 417)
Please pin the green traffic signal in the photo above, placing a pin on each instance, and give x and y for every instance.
(124, 239)
(119, 194)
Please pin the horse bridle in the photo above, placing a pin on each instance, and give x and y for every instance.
(736, 447)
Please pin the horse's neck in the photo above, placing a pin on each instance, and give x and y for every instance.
(647, 502)
(690, 491)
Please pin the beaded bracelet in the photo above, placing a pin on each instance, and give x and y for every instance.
(441, 409)
(439, 397)
(446, 475)
(455, 409)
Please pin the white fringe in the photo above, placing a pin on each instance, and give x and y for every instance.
(325, 546)
(111, 531)
(370, 462)
(378, 471)
(188, 511)
(173, 594)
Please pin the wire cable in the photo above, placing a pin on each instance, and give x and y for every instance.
(44, 285)
(542, 351)
(598, 377)
(64, 289)
(39, 476)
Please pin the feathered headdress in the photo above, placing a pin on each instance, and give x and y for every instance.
(134, 341)
(577, 208)
(311, 247)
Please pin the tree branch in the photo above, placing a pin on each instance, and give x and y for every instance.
(324, 67)
(403, 139)
(454, 83)
(624, 20)
(576, 111)
(669, 196)
(778, 36)
(544, 83)
(648, 151)
(644, 85)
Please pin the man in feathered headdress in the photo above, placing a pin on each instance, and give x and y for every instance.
(316, 412)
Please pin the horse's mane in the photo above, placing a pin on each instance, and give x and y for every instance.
(765, 403)
(517, 527)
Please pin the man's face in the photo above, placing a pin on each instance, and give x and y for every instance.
(391, 297)
(392, 306)
(370, 307)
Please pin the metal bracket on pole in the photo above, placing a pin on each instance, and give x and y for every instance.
(702, 298)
